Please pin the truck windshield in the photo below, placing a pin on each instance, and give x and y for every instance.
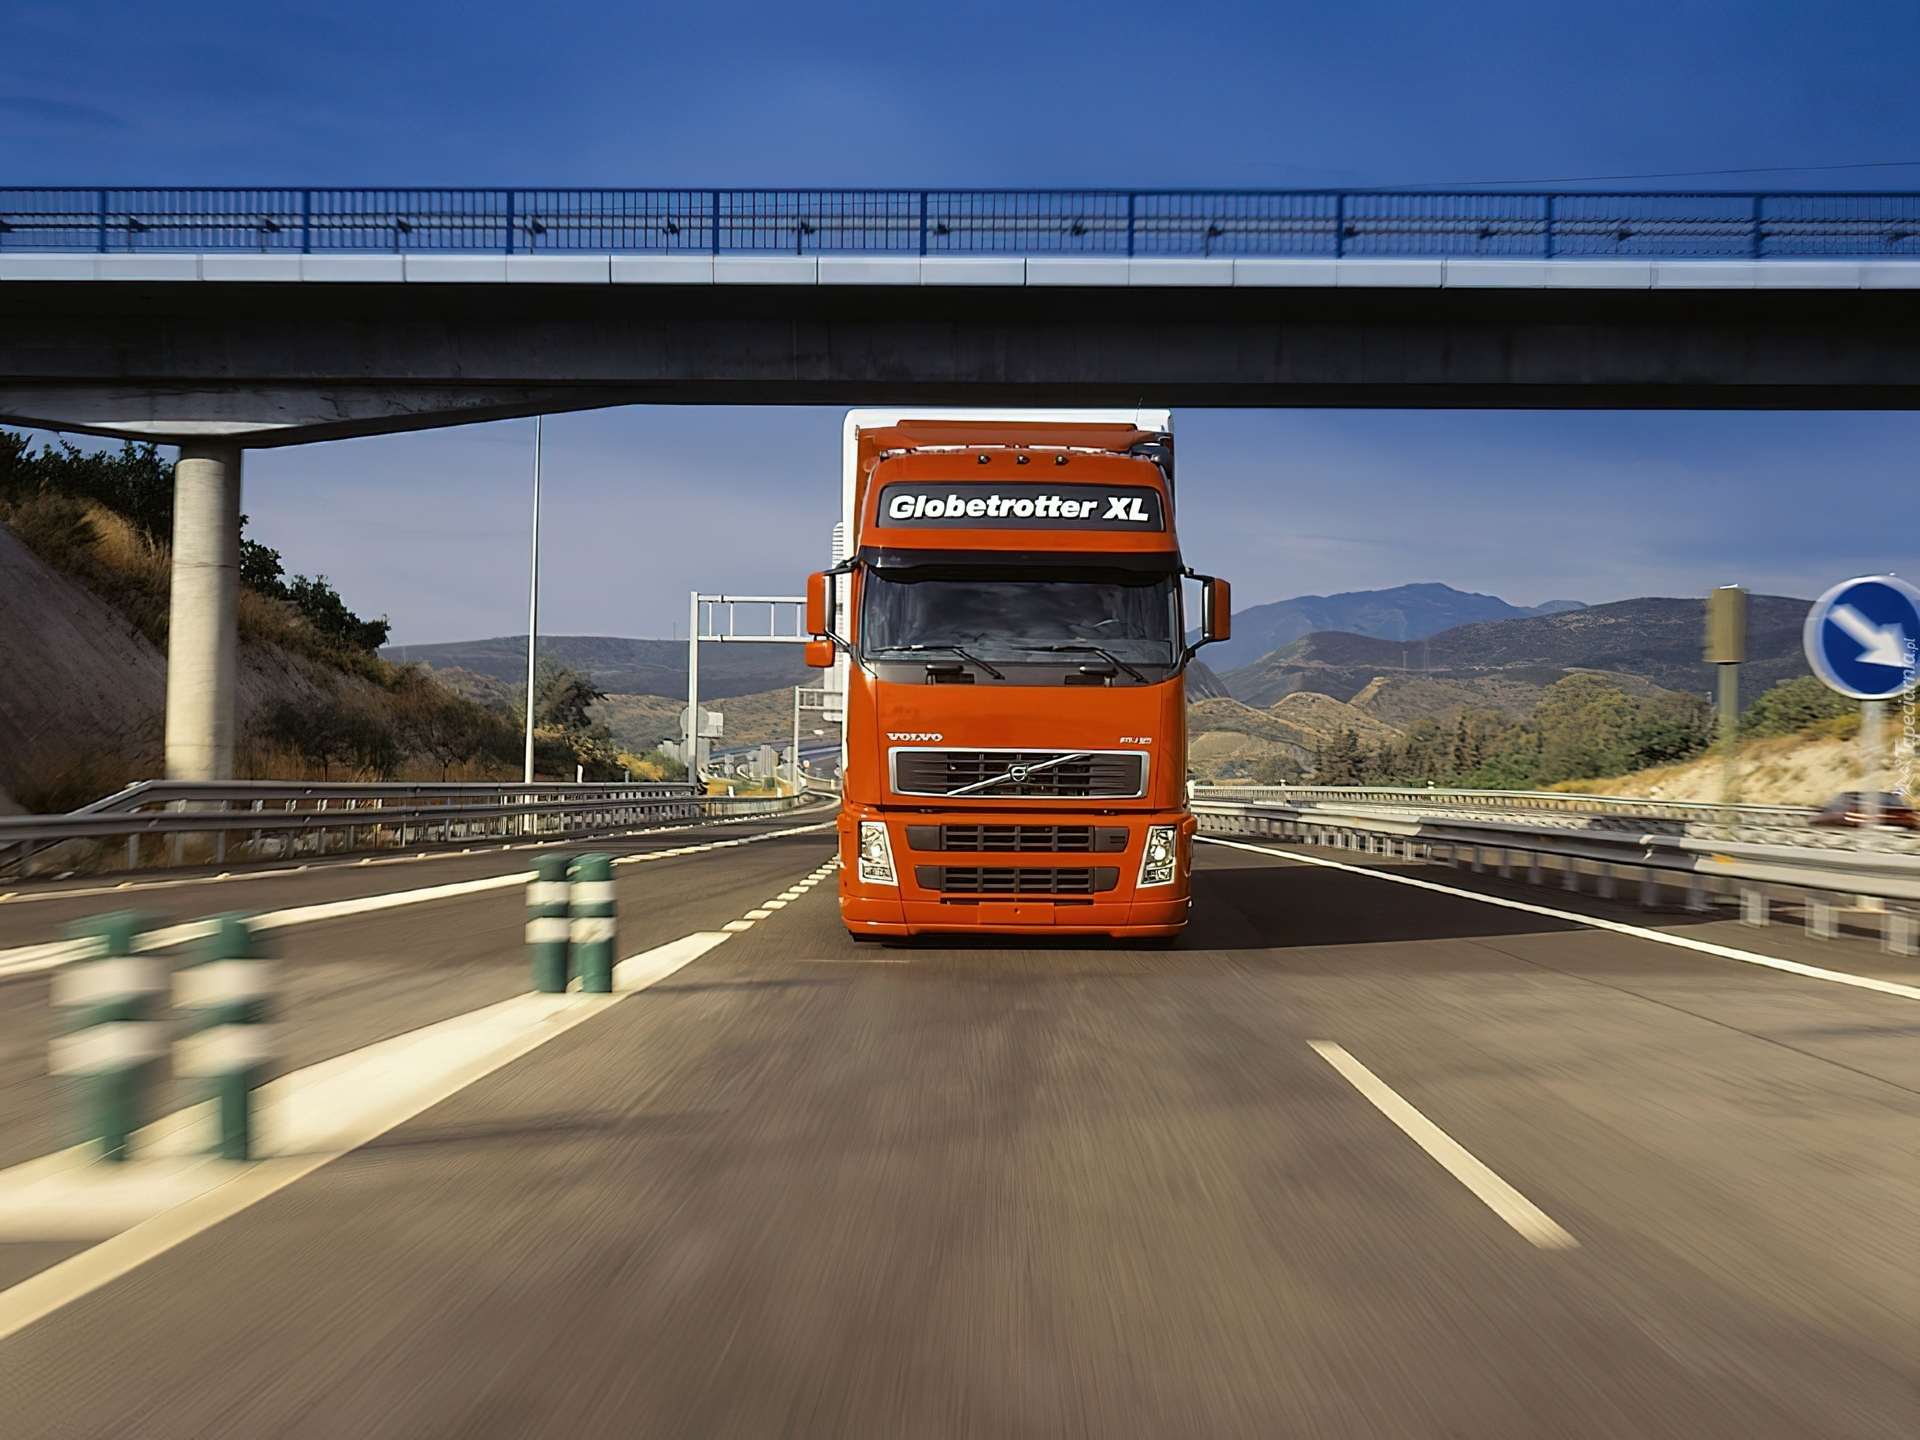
(1014, 617)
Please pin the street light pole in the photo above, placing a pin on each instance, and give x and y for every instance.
(533, 595)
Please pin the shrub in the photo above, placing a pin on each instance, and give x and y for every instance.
(1794, 706)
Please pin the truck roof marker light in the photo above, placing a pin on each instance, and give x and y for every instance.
(1060, 459)
(986, 459)
(1020, 459)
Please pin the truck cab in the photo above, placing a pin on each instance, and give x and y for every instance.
(1010, 628)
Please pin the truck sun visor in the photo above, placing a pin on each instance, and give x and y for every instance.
(1021, 507)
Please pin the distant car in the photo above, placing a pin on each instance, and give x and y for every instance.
(1851, 809)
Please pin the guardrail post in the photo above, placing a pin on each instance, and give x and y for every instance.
(1753, 907)
(1822, 921)
(111, 1042)
(1479, 864)
(548, 927)
(1570, 876)
(1533, 867)
(1897, 933)
(593, 923)
(1697, 896)
(228, 996)
(1506, 863)
(1605, 885)
(1649, 887)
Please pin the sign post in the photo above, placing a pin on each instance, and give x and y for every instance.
(1726, 648)
(1860, 638)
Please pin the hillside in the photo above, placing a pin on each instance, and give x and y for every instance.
(619, 665)
(1407, 612)
(84, 696)
(1229, 740)
(641, 722)
(1655, 640)
(1789, 770)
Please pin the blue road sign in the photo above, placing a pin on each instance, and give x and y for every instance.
(1861, 636)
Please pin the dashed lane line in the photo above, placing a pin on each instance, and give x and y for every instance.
(1594, 922)
(1496, 1194)
(28, 959)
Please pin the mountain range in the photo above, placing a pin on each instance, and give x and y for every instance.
(1407, 612)
(1652, 639)
(621, 666)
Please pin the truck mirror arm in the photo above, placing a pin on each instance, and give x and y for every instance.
(845, 567)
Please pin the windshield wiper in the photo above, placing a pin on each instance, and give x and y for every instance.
(1104, 654)
(966, 655)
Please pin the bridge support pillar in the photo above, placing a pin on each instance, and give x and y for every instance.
(203, 641)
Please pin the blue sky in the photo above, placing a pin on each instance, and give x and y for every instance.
(646, 504)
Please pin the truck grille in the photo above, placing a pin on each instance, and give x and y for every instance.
(1068, 839)
(1096, 774)
(1009, 880)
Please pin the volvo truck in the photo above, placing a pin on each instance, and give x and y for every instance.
(1008, 623)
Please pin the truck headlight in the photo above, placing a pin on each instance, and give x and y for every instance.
(876, 854)
(1162, 858)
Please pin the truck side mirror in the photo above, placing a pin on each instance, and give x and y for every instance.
(820, 654)
(819, 603)
(1216, 610)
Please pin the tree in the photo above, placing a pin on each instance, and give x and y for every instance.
(1793, 706)
(1586, 729)
(330, 734)
(134, 481)
(1340, 760)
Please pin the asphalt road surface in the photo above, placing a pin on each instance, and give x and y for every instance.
(805, 1187)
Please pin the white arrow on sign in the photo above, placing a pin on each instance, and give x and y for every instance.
(1880, 644)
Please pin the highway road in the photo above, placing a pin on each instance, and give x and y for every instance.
(803, 1187)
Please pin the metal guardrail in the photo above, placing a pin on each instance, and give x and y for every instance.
(1761, 874)
(1715, 225)
(286, 818)
(1758, 824)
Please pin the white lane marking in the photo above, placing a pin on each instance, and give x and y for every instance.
(769, 906)
(1639, 932)
(390, 1082)
(759, 914)
(29, 958)
(1496, 1194)
(737, 925)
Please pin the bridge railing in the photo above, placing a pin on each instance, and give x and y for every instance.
(282, 819)
(1497, 224)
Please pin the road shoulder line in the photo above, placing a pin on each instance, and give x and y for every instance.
(1593, 922)
(441, 1065)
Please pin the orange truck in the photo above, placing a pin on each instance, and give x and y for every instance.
(1008, 619)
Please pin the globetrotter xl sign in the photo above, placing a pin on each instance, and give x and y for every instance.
(1023, 507)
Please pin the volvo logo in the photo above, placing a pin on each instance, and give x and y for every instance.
(1018, 774)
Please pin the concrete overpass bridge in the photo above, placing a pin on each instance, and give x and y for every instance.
(223, 319)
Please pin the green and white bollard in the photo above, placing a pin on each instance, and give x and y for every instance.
(111, 1044)
(227, 996)
(593, 930)
(548, 926)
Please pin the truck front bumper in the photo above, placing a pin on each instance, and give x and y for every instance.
(912, 908)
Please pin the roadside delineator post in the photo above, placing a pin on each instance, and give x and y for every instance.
(227, 996)
(593, 923)
(111, 1043)
(548, 928)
